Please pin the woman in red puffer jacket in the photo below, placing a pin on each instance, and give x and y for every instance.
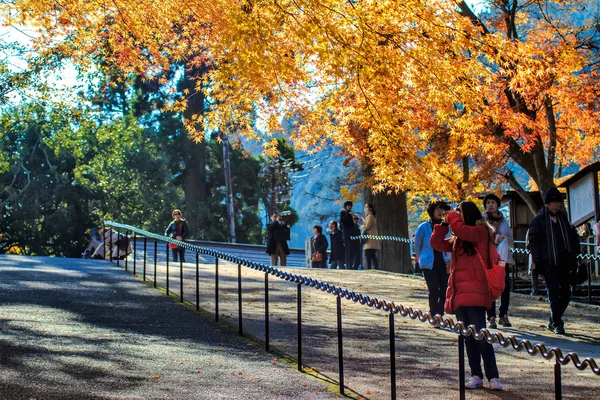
(467, 296)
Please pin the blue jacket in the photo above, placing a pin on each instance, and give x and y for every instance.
(423, 249)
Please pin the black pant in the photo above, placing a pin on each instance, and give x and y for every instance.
(437, 283)
(180, 251)
(504, 298)
(371, 256)
(559, 295)
(352, 253)
(478, 349)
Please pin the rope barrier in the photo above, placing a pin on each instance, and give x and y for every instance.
(512, 249)
(390, 307)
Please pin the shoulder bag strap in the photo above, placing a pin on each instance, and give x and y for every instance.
(483, 264)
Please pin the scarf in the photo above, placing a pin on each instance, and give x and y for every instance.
(563, 223)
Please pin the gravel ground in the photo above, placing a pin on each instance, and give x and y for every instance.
(426, 357)
(82, 329)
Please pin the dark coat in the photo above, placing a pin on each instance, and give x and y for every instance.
(539, 244)
(173, 228)
(320, 245)
(338, 252)
(347, 224)
(277, 232)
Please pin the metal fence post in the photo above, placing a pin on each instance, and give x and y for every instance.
(267, 311)
(118, 240)
(155, 256)
(240, 322)
(180, 278)
(133, 249)
(104, 239)
(299, 306)
(197, 282)
(461, 366)
(216, 289)
(167, 283)
(340, 342)
(145, 250)
(126, 248)
(557, 379)
(392, 355)
(589, 282)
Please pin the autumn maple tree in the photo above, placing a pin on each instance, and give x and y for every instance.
(434, 97)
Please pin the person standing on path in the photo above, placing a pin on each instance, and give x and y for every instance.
(349, 225)
(319, 246)
(554, 246)
(468, 295)
(371, 246)
(434, 264)
(277, 235)
(338, 252)
(503, 241)
(178, 230)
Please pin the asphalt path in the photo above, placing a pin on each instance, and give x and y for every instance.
(85, 329)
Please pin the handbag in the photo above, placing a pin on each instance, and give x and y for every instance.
(364, 240)
(496, 275)
(317, 257)
(579, 274)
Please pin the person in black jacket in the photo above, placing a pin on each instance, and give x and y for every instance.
(278, 233)
(349, 225)
(178, 229)
(554, 246)
(319, 245)
(338, 251)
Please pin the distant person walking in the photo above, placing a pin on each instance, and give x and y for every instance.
(278, 234)
(434, 264)
(319, 248)
(371, 246)
(554, 246)
(349, 225)
(178, 230)
(468, 294)
(338, 251)
(503, 241)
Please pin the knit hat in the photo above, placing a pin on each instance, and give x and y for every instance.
(553, 195)
(491, 196)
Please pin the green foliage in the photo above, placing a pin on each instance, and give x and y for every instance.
(63, 174)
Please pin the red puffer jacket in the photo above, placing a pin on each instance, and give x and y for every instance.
(467, 285)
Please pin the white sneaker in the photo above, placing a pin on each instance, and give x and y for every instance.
(495, 384)
(476, 382)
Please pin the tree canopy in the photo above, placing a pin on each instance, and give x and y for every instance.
(434, 97)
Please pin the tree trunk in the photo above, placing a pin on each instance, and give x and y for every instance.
(194, 174)
(392, 220)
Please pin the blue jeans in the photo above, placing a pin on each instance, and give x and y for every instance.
(478, 349)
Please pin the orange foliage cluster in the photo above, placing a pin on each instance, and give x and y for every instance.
(411, 87)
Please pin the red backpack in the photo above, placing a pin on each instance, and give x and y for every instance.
(495, 271)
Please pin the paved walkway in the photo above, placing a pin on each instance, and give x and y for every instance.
(86, 329)
(83, 329)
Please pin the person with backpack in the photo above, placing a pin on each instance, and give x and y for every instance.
(178, 230)
(554, 246)
(468, 295)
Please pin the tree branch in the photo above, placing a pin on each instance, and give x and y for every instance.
(512, 181)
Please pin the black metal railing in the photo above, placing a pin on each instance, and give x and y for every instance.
(342, 293)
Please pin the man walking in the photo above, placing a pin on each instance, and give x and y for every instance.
(349, 225)
(554, 246)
